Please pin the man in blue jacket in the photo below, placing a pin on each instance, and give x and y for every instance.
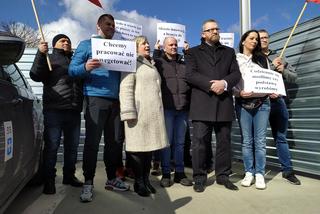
(101, 95)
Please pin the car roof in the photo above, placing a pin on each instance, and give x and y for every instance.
(11, 48)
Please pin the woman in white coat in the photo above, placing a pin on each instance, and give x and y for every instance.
(142, 113)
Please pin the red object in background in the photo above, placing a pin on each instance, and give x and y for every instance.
(96, 2)
(314, 1)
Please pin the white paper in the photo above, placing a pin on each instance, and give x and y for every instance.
(8, 137)
(127, 30)
(264, 81)
(227, 39)
(177, 31)
(116, 55)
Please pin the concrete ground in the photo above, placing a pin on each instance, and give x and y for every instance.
(279, 197)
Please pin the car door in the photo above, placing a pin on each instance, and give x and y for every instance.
(16, 131)
(10, 109)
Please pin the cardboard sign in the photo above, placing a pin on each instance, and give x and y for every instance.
(227, 39)
(116, 55)
(263, 81)
(171, 30)
(127, 30)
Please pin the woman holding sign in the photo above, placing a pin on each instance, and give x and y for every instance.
(143, 116)
(252, 112)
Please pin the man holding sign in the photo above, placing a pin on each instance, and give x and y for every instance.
(102, 110)
(279, 115)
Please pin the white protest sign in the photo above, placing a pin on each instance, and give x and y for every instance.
(264, 81)
(127, 30)
(227, 39)
(177, 31)
(116, 55)
(8, 137)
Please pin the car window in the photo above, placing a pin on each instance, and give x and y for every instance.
(3, 75)
(14, 75)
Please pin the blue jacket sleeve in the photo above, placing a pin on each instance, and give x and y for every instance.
(79, 59)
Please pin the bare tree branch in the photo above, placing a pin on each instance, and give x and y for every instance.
(27, 33)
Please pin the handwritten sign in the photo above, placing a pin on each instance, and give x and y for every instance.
(264, 81)
(177, 31)
(116, 55)
(227, 39)
(127, 30)
(8, 137)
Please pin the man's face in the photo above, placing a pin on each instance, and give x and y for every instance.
(107, 28)
(170, 46)
(64, 44)
(210, 32)
(264, 38)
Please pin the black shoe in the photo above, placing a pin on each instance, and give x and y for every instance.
(156, 169)
(73, 181)
(227, 183)
(199, 186)
(140, 188)
(291, 178)
(180, 177)
(148, 185)
(49, 187)
(166, 180)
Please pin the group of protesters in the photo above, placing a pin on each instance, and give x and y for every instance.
(148, 110)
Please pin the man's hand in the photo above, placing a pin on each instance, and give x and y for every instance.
(92, 64)
(217, 86)
(186, 47)
(157, 45)
(277, 62)
(43, 47)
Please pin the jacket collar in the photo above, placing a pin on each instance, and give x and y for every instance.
(218, 53)
(62, 52)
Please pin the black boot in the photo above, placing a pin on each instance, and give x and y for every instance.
(140, 187)
(49, 187)
(148, 184)
(72, 180)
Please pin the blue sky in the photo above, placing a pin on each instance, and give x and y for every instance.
(77, 18)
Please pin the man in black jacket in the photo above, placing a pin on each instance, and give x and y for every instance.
(212, 71)
(62, 105)
(175, 97)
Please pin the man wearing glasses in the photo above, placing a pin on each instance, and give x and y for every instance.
(212, 71)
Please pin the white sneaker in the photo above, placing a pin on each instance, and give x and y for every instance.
(247, 180)
(260, 184)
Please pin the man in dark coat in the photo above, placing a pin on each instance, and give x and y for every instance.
(62, 105)
(212, 71)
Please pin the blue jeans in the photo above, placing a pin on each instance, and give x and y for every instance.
(176, 125)
(253, 124)
(278, 119)
(57, 122)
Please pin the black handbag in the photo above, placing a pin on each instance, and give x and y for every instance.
(252, 103)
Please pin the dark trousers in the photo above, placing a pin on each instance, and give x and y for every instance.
(102, 115)
(141, 163)
(278, 119)
(57, 122)
(202, 135)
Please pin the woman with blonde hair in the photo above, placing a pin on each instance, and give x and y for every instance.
(142, 113)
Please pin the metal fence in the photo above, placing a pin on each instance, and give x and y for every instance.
(304, 104)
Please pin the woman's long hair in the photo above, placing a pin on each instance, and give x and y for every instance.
(257, 55)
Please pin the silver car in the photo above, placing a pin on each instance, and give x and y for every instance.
(20, 123)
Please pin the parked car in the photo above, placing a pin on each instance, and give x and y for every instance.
(21, 125)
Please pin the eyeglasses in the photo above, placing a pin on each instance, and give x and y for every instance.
(211, 30)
